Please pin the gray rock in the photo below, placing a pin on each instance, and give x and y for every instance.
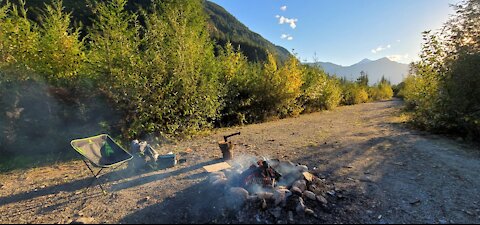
(300, 207)
(296, 191)
(331, 193)
(215, 177)
(253, 198)
(310, 212)
(265, 195)
(239, 195)
(309, 195)
(218, 173)
(322, 199)
(301, 184)
(366, 179)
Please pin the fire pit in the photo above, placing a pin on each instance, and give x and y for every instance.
(278, 190)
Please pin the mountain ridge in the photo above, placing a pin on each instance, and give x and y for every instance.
(393, 71)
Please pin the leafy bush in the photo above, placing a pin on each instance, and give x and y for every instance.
(354, 93)
(319, 91)
(237, 81)
(61, 52)
(277, 89)
(18, 37)
(382, 91)
(443, 90)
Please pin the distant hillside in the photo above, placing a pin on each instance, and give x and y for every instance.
(393, 71)
(225, 27)
(222, 26)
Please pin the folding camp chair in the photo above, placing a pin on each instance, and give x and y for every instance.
(102, 152)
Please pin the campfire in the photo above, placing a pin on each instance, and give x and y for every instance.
(278, 190)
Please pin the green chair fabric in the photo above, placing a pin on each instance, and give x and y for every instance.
(101, 151)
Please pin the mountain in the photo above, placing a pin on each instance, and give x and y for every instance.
(222, 26)
(393, 71)
(225, 27)
(364, 61)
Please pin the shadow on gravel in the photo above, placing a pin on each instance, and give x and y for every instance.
(198, 204)
(113, 176)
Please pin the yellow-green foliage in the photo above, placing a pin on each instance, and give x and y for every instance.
(443, 90)
(381, 91)
(319, 91)
(277, 89)
(291, 74)
(61, 56)
(354, 93)
(18, 38)
(158, 68)
(237, 86)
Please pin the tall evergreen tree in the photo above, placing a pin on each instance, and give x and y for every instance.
(363, 79)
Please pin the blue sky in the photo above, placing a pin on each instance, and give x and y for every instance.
(343, 31)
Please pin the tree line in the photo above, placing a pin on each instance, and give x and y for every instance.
(160, 69)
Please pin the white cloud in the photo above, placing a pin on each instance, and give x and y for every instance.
(380, 48)
(283, 8)
(286, 36)
(399, 58)
(284, 20)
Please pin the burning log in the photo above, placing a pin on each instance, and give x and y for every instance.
(261, 174)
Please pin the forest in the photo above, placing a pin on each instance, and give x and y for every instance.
(149, 72)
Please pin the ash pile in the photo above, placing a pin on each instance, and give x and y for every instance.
(272, 191)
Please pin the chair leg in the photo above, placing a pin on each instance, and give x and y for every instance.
(97, 175)
(94, 178)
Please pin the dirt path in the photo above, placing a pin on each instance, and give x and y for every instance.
(390, 174)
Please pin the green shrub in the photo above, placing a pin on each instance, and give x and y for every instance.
(18, 37)
(276, 89)
(61, 52)
(237, 80)
(319, 91)
(354, 94)
(443, 90)
(381, 91)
